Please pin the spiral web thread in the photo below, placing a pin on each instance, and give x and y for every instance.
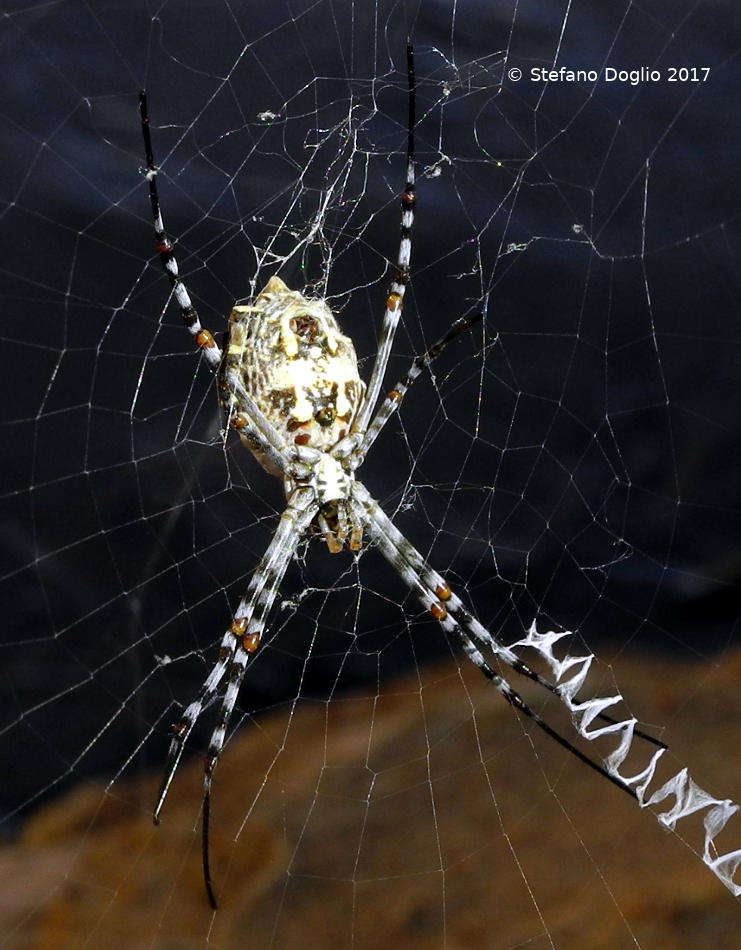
(570, 674)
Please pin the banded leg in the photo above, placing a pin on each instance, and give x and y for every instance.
(244, 415)
(435, 584)
(240, 641)
(437, 597)
(395, 298)
(241, 409)
(434, 602)
(248, 625)
(203, 338)
(394, 398)
(182, 729)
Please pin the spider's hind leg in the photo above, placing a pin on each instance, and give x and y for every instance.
(240, 642)
(460, 625)
(182, 729)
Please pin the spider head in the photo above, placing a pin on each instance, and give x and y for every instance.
(332, 487)
(339, 525)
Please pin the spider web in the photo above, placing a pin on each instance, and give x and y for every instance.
(571, 461)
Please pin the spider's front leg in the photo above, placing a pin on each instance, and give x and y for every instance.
(395, 297)
(240, 406)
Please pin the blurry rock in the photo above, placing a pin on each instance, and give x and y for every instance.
(426, 816)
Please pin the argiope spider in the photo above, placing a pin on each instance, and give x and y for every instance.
(288, 383)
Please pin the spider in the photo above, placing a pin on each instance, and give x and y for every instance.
(288, 383)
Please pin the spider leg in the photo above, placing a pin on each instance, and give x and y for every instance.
(245, 416)
(182, 729)
(393, 400)
(249, 623)
(395, 298)
(203, 338)
(446, 607)
(516, 701)
(240, 641)
(435, 583)
(262, 432)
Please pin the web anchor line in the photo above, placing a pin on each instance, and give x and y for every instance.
(570, 673)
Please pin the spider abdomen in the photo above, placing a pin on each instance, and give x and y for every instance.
(296, 364)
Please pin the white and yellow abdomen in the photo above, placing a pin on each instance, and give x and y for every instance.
(296, 364)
